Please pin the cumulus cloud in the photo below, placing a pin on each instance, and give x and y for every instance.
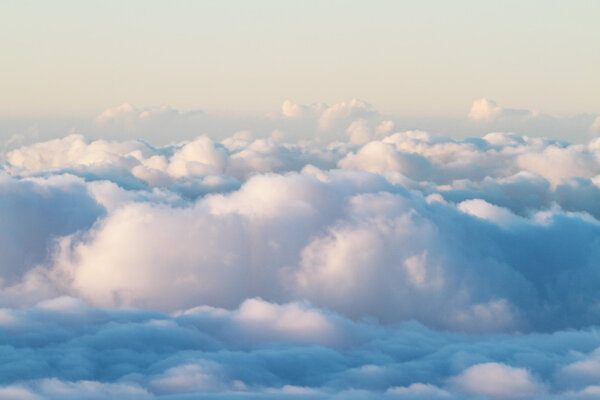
(486, 116)
(484, 110)
(241, 218)
(163, 124)
(292, 110)
(389, 264)
(317, 123)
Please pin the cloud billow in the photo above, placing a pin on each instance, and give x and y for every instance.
(255, 350)
(394, 264)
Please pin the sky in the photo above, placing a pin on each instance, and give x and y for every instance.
(299, 200)
(426, 58)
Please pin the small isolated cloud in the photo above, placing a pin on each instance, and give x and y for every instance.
(484, 110)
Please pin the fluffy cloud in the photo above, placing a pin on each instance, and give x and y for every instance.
(498, 381)
(225, 221)
(266, 350)
(317, 123)
(390, 265)
(484, 110)
(487, 116)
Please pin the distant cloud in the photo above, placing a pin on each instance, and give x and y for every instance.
(330, 116)
(484, 110)
(131, 116)
(319, 124)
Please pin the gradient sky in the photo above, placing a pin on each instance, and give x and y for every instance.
(413, 58)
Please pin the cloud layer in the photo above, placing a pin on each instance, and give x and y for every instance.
(319, 124)
(63, 349)
(394, 264)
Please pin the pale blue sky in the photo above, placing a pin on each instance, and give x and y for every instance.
(412, 58)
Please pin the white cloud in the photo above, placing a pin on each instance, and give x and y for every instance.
(291, 322)
(358, 132)
(292, 110)
(15, 392)
(498, 381)
(333, 115)
(484, 210)
(55, 389)
(354, 229)
(419, 391)
(189, 378)
(484, 110)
